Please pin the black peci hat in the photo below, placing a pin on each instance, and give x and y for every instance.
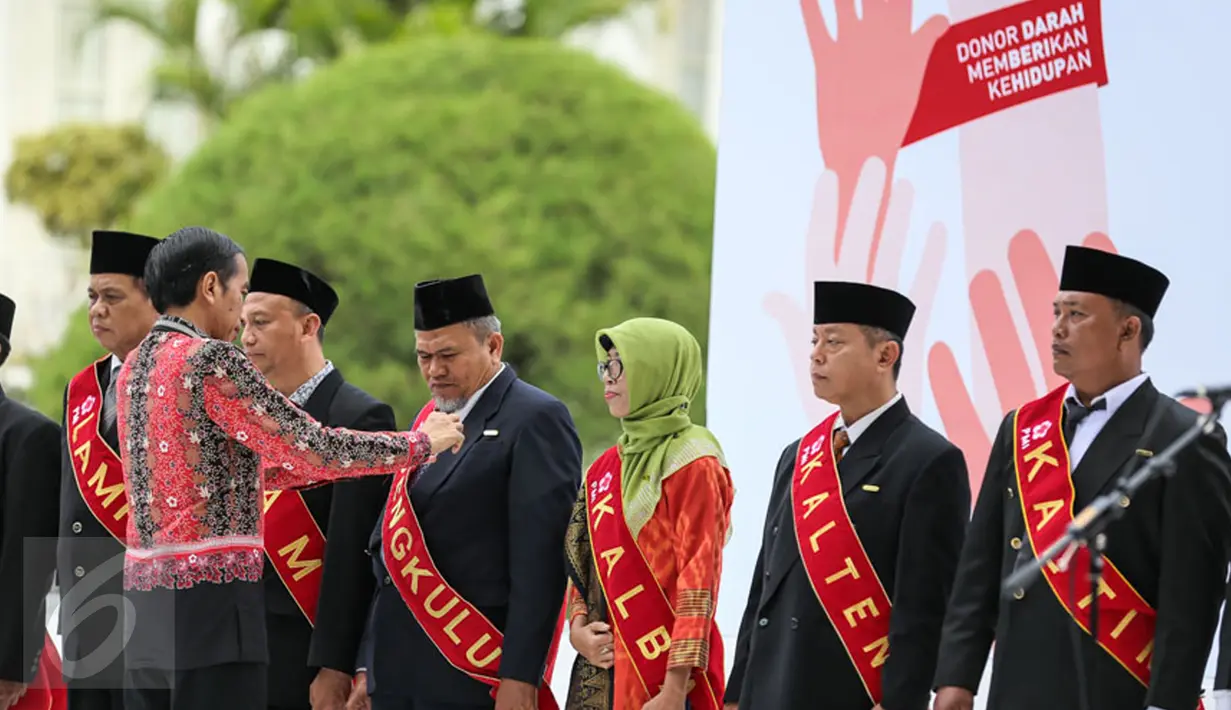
(444, 302)
(283, 279)
(1095, 271)
(120, 253)
(862, 304)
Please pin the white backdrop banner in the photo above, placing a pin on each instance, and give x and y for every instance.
(951, 150)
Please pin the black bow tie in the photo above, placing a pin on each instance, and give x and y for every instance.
(1075, 412)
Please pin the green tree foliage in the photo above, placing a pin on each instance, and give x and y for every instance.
(316, 32)
(582, 196)
(80, 177)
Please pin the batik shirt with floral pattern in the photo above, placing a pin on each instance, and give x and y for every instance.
(203, 435)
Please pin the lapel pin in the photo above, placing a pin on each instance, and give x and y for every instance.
(870, 488)
(491, 432)
(1146, 453)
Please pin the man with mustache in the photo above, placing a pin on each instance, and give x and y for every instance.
(865, 525)
(1166, 558)
(93, 505)
(468, 554)
(317, 580)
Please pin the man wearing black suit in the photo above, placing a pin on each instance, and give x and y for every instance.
(93, 506)
(818, 626)
(1170, 546)
(29, 451)
(311, 661)
(493, 515)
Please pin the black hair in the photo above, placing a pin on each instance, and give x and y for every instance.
(605, 342)
(179, 262)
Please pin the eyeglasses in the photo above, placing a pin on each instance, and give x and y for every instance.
(610, 370)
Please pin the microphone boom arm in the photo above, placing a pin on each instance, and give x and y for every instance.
(1095, 517)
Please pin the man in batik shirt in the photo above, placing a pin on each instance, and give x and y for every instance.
(203, 435)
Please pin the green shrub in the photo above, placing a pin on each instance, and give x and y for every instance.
(582, 196)
(80, 177)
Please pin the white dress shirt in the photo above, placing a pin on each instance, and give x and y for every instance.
(861, 425)
(1090, 427)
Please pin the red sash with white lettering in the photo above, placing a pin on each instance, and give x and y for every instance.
(97, 468)
(637, 606)
(469, 641)
(1041, 460)
(295, 545)
(838, 567)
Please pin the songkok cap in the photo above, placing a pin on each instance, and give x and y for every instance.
(1114, 276)
(7, 310)
(120, 253)
(283, 279)
(444, 302)
(862, 304)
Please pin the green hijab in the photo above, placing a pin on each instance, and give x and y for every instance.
(664, 371)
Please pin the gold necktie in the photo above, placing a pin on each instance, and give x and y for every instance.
(841, 440)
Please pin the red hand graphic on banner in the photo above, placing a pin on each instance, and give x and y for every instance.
(867, 85)
(1037, 283)
(853, 263)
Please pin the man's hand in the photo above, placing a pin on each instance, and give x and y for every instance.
(594, 642)
(516, 695)
(10, 692)
(731, 706)
(951, 698)
(330, 690)
(445, 431)
(359, 699)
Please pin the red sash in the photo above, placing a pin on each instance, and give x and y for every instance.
(469, 641)
(46, 691)
(295, 546)
(841, 574)
(96, 466)
(1041, 461)
(646, 619)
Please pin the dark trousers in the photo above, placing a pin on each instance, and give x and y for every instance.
(230, 686)
(95, 699)
(395, 702)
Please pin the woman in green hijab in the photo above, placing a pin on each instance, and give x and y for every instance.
(644, 546)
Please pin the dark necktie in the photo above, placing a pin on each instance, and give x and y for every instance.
(1075, 412)
(109, 401)
(841, 442)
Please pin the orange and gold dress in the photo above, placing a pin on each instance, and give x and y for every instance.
(682, 543)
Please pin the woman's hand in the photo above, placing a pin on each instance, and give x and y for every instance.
(593, 641)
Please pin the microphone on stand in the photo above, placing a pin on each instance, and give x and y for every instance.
(1203, 392)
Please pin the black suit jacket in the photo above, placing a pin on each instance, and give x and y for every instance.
(87, 551)
(345, 512)
(29, 493)
(1171, 545)
(493, 517)
(911, 523)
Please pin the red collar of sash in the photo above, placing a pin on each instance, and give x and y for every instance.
(97, 468)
